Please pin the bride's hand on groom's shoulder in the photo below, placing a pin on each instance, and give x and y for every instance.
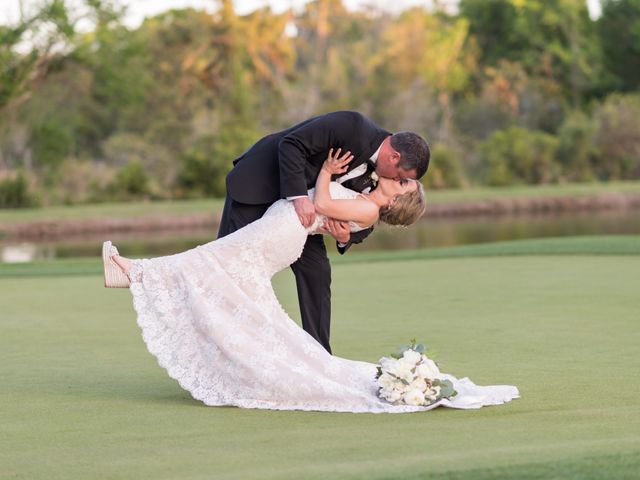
(337, 162)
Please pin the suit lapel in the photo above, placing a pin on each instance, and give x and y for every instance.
(360, 182)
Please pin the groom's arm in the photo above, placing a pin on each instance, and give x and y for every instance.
(312, 138)
(355, 237)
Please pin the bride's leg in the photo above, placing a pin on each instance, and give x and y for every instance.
(123, 262)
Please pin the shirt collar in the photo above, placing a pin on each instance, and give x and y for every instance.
(374, 157)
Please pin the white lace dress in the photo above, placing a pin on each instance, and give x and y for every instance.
(211, 318)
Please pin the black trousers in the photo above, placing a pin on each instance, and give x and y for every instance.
(312, 270)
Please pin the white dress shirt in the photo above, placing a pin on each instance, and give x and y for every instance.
(356, 172)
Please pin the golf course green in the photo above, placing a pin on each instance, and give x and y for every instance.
(81, 398)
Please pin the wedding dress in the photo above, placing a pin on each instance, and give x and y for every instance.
(211, 318)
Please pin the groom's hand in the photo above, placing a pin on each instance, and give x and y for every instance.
(338, 230)
(305, 210)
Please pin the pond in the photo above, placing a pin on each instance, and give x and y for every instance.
(429, 233)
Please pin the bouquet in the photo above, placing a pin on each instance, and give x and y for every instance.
(411, 378)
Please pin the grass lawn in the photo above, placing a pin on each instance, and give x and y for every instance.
(82, 398)
(185, 207)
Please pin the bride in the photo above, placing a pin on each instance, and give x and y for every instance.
(211, 318)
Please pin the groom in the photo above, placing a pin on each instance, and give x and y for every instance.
(286, 164)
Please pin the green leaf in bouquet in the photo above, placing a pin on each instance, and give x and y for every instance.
(401, 349)
(420, 348)
(446, 388)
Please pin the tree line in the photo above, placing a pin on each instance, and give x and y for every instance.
(506, 92)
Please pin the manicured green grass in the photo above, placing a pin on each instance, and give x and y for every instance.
(82, 398)
(176, 208)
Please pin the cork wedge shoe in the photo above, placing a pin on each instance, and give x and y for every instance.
(114, 277)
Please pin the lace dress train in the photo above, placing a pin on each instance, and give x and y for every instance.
(211, 318)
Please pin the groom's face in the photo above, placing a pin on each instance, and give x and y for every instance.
(388, 164)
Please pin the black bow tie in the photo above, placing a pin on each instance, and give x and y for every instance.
(371, 165)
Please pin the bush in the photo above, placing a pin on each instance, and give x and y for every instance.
(200, 175)
(617, 137)
(577, 150)
(204, 167)
(122, 148)
(445, 169)
(517, 156)
(131, 182)
(14, 193)
(80, 181)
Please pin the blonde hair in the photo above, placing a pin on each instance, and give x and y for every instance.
(407, 209)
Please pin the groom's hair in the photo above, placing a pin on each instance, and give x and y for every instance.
(414, 151)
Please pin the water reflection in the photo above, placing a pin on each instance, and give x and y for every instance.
(434, 232)
(19, 252)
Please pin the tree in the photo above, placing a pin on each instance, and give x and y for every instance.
(429, 47)
(117, 59)
(619, 29)
(21, 72)
(555, 41)
(27, 54)
(333, 49)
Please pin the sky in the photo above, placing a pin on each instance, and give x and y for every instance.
(139, 9)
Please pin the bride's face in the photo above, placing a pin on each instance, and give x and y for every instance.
(393, 188)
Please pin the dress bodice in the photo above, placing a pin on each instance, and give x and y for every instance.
(337, 192)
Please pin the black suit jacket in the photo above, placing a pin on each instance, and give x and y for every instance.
(287, 163)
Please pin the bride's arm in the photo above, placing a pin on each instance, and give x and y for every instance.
(358, 210)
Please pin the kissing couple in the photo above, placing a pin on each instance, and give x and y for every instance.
(210, 315)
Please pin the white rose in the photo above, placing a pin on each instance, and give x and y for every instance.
(391, 394)
(428, 369)
(404, 363)
(402, 369)
(387, 363)
(386, 381)
(392, 366)
(414, 397)
(411, 356)
(417, 384)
